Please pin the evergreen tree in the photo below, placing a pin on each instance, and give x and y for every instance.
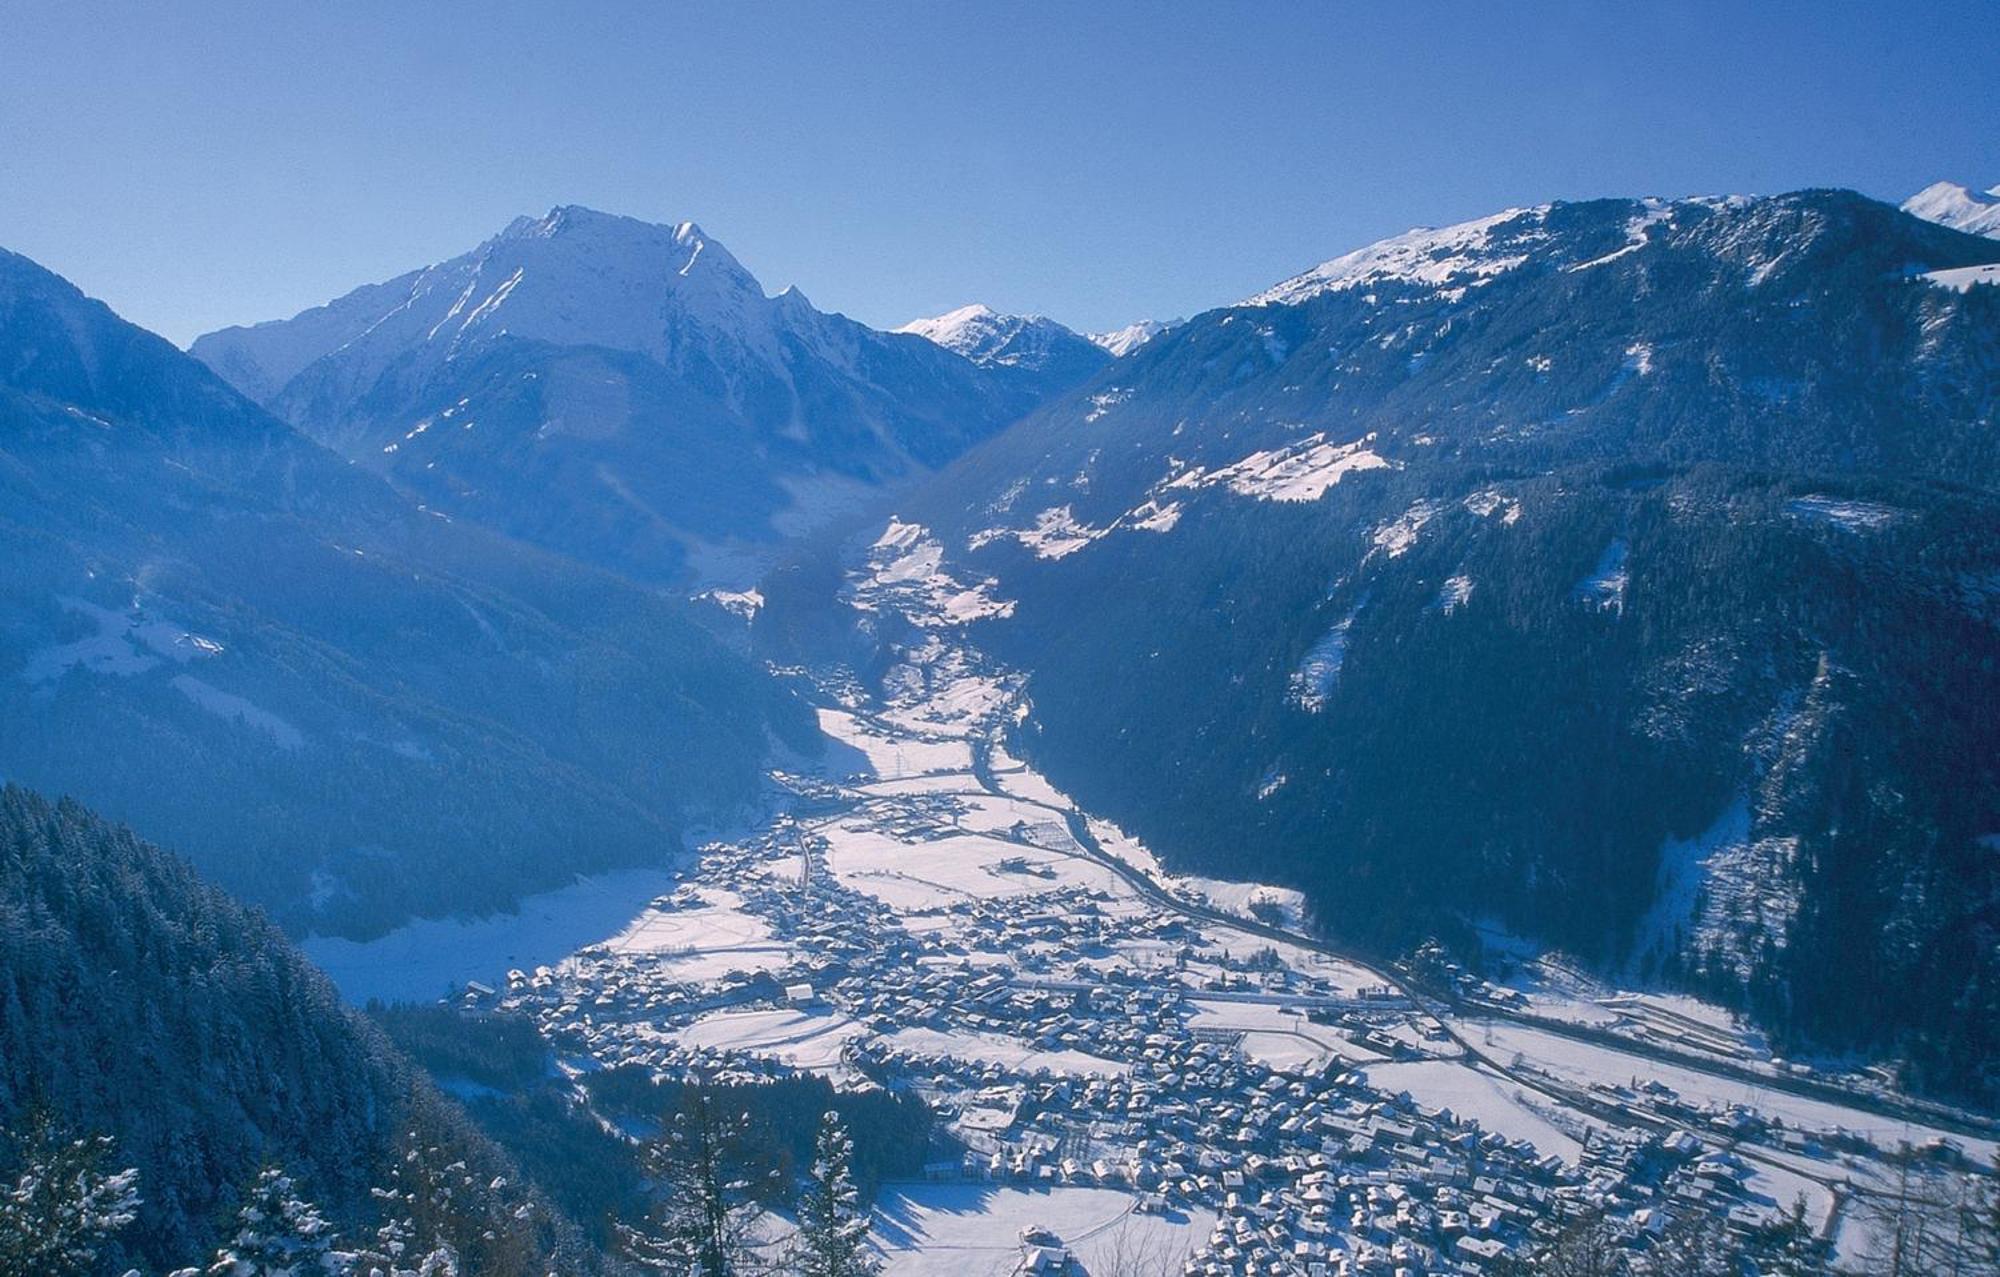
(397, 1250)
(701, 1209)
(62, 1205)
(279, 1234)
(833, 1227)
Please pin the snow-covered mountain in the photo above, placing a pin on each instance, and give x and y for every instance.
(1464, 577)
(618, 390)
(1466, 254)
(574, 278)
(1034, 351)
(225, 634)
(1949, 204)
(1123, 341)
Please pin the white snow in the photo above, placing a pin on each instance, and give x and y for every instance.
(1312, 682)
(994, 1048)
(743, 603)
(126, 644)
(894, 756)
(1683, 873)
(1104, 401)
(1274, 1035)
(1123, 341)
(1488, 502)
(1604, 588)
(918, 875)
(1653, 212)
(1154, 517)
(1586, 1063)
(1845, 514)
(1474, 1094)
(906, 569)
(1395, 537)
(1961, 279)
(1437, 257)
(809, 1040)
(572, 277)
(706, 941)
(1302, 471)
(1452, 595)
(974, 1230)
(1057, 534)
(425, 959)
(991, 339)
(1949, 204)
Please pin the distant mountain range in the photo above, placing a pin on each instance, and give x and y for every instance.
(347, 708)
(1620, 574)
(1039, 354)
(625, 393)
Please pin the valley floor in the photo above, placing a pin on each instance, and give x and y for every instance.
(1163, 1070)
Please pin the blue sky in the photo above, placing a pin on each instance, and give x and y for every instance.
(203, 164)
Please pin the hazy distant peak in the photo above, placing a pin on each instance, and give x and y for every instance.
(1959, 207)
(1123, 341)
(992, 339)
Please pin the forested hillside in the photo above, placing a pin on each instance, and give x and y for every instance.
(139, 1003)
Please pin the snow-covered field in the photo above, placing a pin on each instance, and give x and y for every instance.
(893, 757)
(1963, 278)
(1476, 1095)
(808, 1040)
(1297, 472)
(424, 960)
(992, 1048)
(974, 1230)
(704, 942)
(1280, 1039)
(1586, 1063)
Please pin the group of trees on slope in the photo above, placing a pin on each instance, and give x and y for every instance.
(66, 1201)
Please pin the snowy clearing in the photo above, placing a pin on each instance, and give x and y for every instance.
(1478, 1096)
(973, 1230)
(1297, 472)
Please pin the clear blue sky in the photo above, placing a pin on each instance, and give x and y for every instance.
(197, 164)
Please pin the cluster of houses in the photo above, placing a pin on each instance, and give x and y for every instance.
(1055, 1057)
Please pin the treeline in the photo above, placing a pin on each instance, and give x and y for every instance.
(892, 1131)
(500, 1069)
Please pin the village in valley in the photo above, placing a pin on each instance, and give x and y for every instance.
(1139, 1072)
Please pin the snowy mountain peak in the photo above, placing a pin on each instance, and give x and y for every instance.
(1763, 234)
(573, 277)
(1959, 207)
(992, 339)
(1121, 342)
(967, 329)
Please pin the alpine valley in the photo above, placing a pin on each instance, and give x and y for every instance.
(1579, 574)
(1482, 755)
